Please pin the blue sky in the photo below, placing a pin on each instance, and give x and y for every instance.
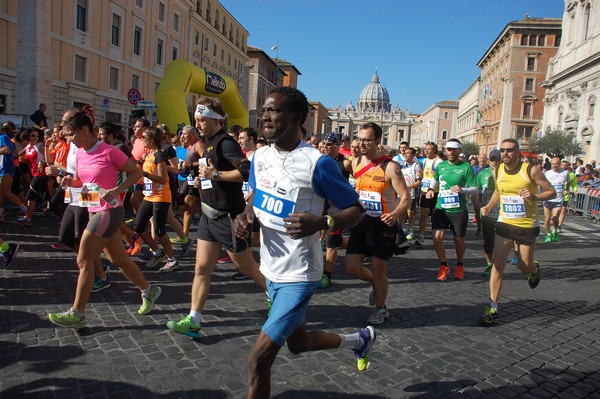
(424, 51)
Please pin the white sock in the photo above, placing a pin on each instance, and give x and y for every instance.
(148, 290)
(494, 305)
(351, 341)
(196, 316)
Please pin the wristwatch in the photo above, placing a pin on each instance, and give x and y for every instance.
(215, 175)
(330, 222)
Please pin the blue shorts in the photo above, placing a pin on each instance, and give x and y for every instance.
(289, 303)
(552, 205)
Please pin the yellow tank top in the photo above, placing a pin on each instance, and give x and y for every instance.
(429, 166)
(515, 210)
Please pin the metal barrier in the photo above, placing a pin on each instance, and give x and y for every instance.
(586, 202)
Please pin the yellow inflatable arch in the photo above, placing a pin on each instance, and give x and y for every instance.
(180, 79)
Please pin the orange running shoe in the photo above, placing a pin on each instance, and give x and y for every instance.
(443, 273)
(459, 272)
(137, 246)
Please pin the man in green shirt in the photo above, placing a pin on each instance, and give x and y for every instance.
(456, 180)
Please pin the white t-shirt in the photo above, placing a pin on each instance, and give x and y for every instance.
(558, 180)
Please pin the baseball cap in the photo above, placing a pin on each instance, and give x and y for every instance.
(494, 154)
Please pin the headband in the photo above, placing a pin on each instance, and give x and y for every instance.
(453, 144)
(204, 111)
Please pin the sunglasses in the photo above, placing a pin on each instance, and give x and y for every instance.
(509, 150)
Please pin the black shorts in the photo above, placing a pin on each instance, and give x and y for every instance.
(221, 230)
(413, 205)
(455, 221)
(552, 205)
(372, 237)
(38, 188)
(185, 189)
(488, 228)
(334, 239)
(138, 187)
(428, 203)
(520, 235)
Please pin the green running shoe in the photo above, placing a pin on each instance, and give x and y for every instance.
(179, 240)
(555, 237)
(490, 317)
(67, 319)
(534, 278)
(148, 300)
(367, 336)
(488, 270)
(185, 326)
(548, 238)
(324, 282)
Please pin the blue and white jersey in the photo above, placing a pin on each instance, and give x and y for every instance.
(292, 182)
(559, 182)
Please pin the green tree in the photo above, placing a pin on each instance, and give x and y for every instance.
(557, 143)
(469, 148)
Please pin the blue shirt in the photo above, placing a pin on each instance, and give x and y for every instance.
(7, 161)
(180, 152)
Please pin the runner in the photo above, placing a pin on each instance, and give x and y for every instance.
(487, 186)
(97, 165)
(290, 182)
(430, 164)
(456, 180)
(413, 175)
(517, 192)
(571, 187)
(552, 208)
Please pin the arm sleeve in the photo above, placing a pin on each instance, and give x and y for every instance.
(329, 183)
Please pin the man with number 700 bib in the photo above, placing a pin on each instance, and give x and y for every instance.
(517, 190)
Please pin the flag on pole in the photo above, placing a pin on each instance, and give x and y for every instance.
(274, 47)
(479, 116)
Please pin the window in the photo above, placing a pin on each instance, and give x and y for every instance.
(81, 15)
(217, 19)
(524, 39)
(541, 40)
(445, 114)
(113, 78)
(529, 84)
(586, 21)
(591, 106)
(401, 134)
(208, 12)
(214, 50)
(557, 40)
(197, 39)
(176, 22)
(206, 44)
(139, 3)
(223, 27)
(135, 81)
(222, 55)
(80, 68)
(531, 63)
(229, 59)
(161, 12)
(159, 51)
(115, 39)
(198, 7)
(527, 107)
(532, 40)
(444, 135)
(174, 53)
(137, 40)
(524, 132)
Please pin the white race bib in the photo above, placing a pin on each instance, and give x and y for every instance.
(513, 206)
(89, 195)
(147, 190)
(371, 200)
(449, 199)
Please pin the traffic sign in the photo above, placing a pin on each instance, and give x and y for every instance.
(105, 104)
(133, 96)
(146, 104)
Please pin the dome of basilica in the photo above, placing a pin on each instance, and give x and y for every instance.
(374, 97)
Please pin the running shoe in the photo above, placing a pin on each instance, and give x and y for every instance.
(459, 272)
(145, 257)
(515, 260)
(410, 234)
(555, 236)
(239, 276)
(130, 220)
(559, 229)
(179, 240)
(100, 284)
(443, 273)
(149, 300)
(185, 248)
(137, 246)
(419, 240)
(534, 278)
(367, 336)
(372, 297)
(548, 238)
(378, 316)
(24, 221)
(489, 318)
(67, 319)
(10, 255)
(170, 266)
(224, 259)
(155, 260)
(185, 326)
(59, 246)
(324, 282)
(488, 270)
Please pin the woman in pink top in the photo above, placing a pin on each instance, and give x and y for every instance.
(96, 174)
